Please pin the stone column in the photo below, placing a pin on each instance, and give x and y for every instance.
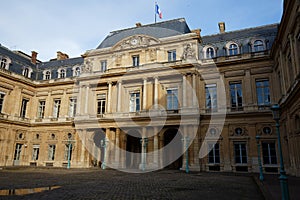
(109, 97)
(143, 154)
(82, 147)
(194, 92)
(117, 148)
(295, 60)
(107, 148)
(119, 96)
(86, 103)
(145, 94)
(156, 92)
(155, 148)
(184, 100)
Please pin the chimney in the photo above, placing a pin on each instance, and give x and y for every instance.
(33, 57)
(222, 27)
(197, 31)
(61, 56)
(138, 24)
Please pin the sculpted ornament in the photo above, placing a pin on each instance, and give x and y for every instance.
(188, 52)
(87, 67)
(135, 41)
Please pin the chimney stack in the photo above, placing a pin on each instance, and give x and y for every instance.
(222, 27)
(138, 24)
(61, 56)
(33, 57)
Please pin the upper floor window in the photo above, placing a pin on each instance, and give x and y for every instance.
(27, 72)
(263, 92)
(101, 104)
(103, 65)
(56, 108)
(1, 101)
(47, 75)
(172, 99)
(134, 102)
(41, 108)
(136, 60)
(72, 107)
(211, 97)
(233, 49)
(258, 46)
(172, 55)
(210, 53)
(236, 95)
(23, 108)
(62, 73)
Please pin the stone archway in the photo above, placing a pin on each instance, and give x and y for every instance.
(171, 152)
(133, 149)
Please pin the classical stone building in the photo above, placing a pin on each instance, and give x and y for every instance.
(157, 96)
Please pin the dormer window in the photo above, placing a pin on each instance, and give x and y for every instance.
(258, 46)
(210, 53)
(232, 50)
(3, 63)
(47, 75)
(61, 73)
(27, 72)
(77, 71)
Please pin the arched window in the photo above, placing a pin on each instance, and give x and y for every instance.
(77, 71)
(62, 73)
(26, 72)
(3, 63)
(210, 53)
(233, 49)
(258, 46)
(47, 75)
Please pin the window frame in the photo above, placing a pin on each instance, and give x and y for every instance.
(101, 104)
(103, 65)
(237, 105)
(23, 109)
(136, 60)
(269, 159)
(56, 108)
(242, 157)
(214, 153)
(213, 107)
(172, 99)
(2, 98)
(135, 101)
(72, 106)
(260, 92)
(41, 109)
(172, 55)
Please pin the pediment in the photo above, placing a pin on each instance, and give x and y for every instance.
(136, 41)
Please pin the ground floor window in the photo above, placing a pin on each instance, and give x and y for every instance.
(214, 153)
(35, 153)
(68, 151)
(240, 153)
(51, 152)
(18, 151)
(269, 153)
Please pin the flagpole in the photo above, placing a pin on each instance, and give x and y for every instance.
(155, 12)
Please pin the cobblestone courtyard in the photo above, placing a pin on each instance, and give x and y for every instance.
(110, 184)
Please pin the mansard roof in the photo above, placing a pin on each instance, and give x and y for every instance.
(157, 30)
(55, 64)
(260, 31)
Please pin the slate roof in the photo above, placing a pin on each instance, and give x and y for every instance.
(267, 30)
(157, 30)
(55, 64)
(18, 62)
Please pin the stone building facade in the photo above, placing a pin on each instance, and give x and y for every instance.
(157, 96)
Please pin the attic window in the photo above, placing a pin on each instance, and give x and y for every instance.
(47, 75)
(3, 63)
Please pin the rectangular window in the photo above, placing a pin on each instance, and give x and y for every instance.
(136, 60)
(263, 92)
(35, 152)
(101, 104)
(269, 153)
(51, 152)
(41, 109)
(172, 99)
(1, 101)
(103, 65)
(236, 96)
(72, 107)
(68, 151)
(214, 153)
(134, 103)
(56, 108)
(172, 55)
(18, 150)
(23, 108)
(240, 153)
(211, 97)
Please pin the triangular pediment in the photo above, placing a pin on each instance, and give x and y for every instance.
(135, 41)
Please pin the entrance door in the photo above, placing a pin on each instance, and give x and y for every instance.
(172, 149)
(133, 150)
(17, 155)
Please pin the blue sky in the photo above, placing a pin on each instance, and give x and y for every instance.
(74, 26)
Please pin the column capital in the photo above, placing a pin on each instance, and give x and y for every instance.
(145, 78)
(109, 82)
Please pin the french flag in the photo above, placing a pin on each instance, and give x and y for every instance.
(158, 11)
